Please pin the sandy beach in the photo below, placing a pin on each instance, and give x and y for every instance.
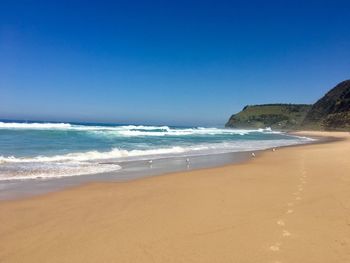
(291, 205)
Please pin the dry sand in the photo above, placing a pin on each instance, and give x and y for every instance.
(292, 205)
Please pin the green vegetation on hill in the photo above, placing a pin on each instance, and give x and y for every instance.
(331, 112)
(276, 116)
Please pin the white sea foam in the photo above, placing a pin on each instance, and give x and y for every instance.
(79, 163)
(44, 170)
(129, 130)
(68, 126)
(36, 126)
(14, 168)
(120, 154)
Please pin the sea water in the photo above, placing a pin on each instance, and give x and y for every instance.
(33, 150)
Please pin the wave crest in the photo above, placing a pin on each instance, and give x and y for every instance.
(34, 125)
(129, 130)
(121, 154)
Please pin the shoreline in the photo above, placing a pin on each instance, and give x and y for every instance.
(135, 170)
(292, 205)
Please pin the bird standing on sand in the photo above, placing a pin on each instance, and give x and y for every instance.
(253, 154)
(188, 163)
(150, 161)
(273, 149)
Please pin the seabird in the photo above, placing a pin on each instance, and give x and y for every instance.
(253, 154)
(273, 149)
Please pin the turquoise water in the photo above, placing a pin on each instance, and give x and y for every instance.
(31, 150)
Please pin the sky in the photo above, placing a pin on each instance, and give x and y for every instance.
(167, 62)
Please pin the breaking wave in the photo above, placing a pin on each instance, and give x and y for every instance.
(46, 150)
(120, 154)
(129, 130)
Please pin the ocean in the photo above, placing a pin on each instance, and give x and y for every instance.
(44, 150)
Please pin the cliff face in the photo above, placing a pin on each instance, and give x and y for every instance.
(332, 111)
(276, 116)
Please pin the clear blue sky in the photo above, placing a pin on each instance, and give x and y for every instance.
(167, 62)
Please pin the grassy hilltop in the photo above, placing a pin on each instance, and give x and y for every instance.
(276, 116)
(331, 112)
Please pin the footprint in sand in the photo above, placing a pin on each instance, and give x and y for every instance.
(280, 223)
(290, 204)
(285, 233)
(275, 247)
(298, 198)
(289, 211)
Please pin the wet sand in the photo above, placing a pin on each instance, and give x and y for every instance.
(291, 205)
